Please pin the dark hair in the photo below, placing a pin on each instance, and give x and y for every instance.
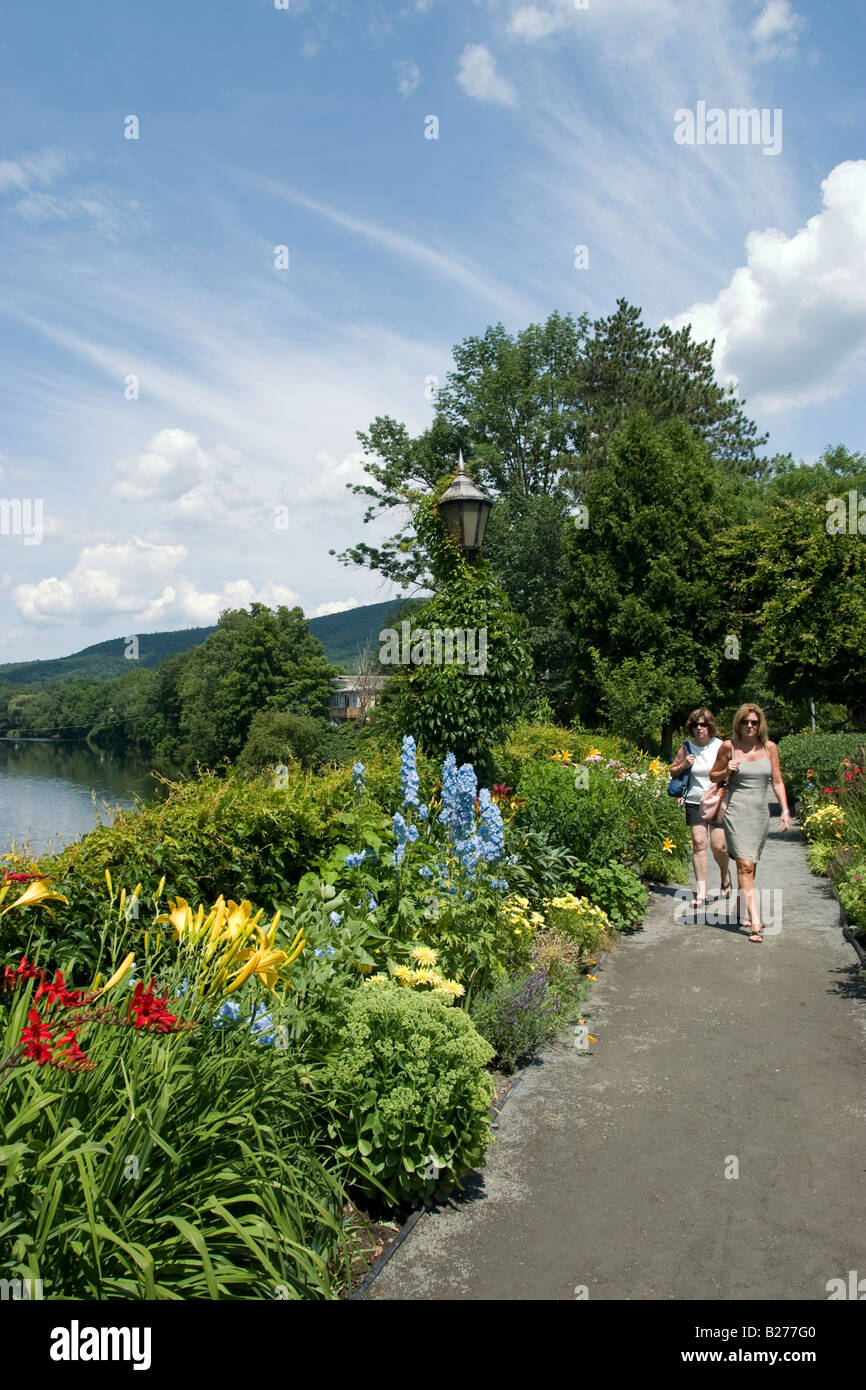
(702, 713)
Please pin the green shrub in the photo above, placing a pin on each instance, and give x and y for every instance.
(590, 822)
(582, 922)
(851, 891)
(407, 1090)
(517, 1015)
(617, 890)
(820, 754)
(528, 743)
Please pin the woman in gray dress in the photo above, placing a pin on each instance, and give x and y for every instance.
(749, 762)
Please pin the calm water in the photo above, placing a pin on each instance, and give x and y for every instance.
(50, 792)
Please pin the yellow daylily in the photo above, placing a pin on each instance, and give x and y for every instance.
(669, 845)
(36, 893)
(125, 966)
(655, 765)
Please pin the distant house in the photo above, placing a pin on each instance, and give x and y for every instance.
(354, 696)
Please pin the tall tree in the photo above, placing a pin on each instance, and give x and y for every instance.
(644, 603)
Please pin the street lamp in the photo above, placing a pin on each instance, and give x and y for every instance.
(464, 510)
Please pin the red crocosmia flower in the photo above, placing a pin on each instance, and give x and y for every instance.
(68, 1055)
(9, 877)
(37, 1039)
(56, 991)
(148, 1012)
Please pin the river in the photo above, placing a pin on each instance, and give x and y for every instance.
(53, 792)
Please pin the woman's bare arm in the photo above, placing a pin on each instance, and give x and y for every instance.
(719, 770)
(680, 762)
(778, 780)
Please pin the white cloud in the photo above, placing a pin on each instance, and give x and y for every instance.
(791, 325)
(409, 77)
(776, 30)
(324, 610)
(129, 579)
(529, 22)
(478, 77)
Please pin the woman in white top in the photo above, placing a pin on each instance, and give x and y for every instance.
(697, 756)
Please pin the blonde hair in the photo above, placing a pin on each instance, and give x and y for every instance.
(763, 731)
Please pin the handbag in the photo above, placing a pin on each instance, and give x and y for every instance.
(714, 803)
(678, 786)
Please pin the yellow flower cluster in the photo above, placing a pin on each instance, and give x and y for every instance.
(424, 973)
(586, 909)
(828, 817)
(516, 910)
(230, 937)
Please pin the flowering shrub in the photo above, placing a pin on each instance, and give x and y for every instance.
(517, 1015)
(409, 1100)
(580, 920)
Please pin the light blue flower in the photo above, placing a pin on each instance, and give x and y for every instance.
(492, 828)
(358, 780)
(412, 834)
(449, 787)
(423, 812)
(409, 771)
(262, 1027)
(227, 1013)
(463, 815)
(425, 871)
(328, 951)
(372, 904)
(335, 919)
(354, 861)
(401, 835)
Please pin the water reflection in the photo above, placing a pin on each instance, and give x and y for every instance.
(52, 792)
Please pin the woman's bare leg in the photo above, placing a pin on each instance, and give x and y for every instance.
(699, 858)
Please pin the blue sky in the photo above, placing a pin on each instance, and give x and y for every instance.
(305, 127)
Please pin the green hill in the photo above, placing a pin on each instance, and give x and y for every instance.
(341, 634)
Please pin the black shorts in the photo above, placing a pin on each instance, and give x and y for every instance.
(693, 813)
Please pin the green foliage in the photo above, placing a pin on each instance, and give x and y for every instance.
(821, 755)
(407, 1087)
(517, 1016)
(616, 889)
(242, 838)
(460, 711)
(534, 414)
(531, 742)
(644, 605)
(277, 738)
(802, 596)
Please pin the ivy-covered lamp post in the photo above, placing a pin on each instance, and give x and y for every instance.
(464, 510)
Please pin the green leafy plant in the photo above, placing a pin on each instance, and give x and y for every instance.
(616, 889)
(408, 1093)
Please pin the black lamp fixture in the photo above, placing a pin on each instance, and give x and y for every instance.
(464, 509)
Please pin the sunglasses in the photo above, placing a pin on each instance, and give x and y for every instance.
(751, 721)
(701, 724)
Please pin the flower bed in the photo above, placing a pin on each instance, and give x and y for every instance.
(167, 1042)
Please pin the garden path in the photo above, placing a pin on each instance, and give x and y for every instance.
(609, 1166)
